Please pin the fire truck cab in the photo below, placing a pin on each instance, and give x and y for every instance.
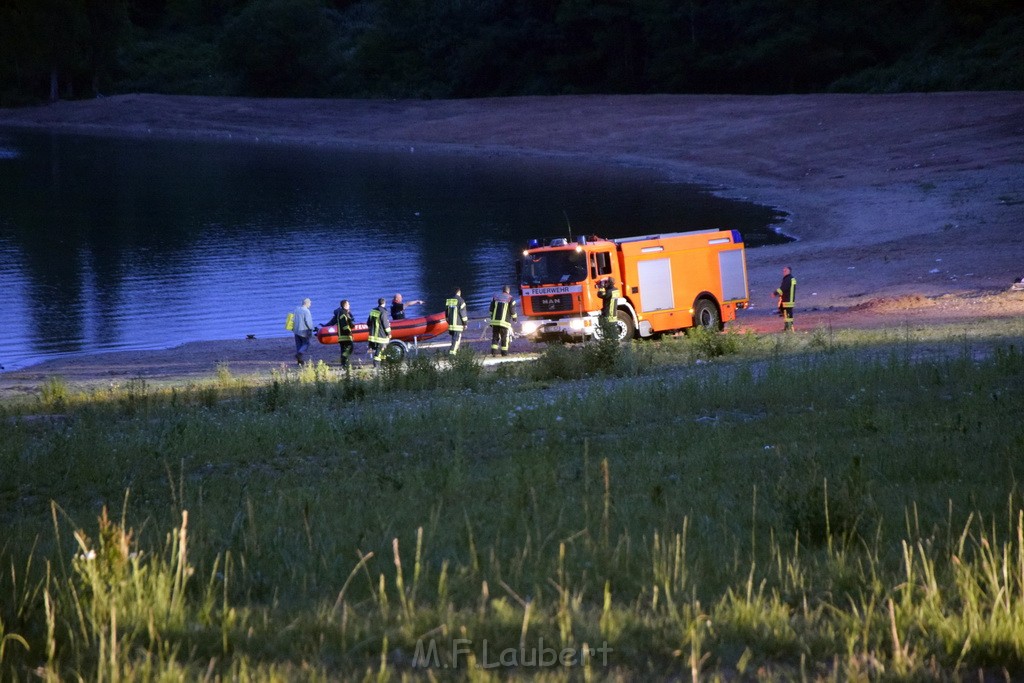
(666, 283)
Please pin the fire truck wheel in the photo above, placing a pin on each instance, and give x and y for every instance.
(623, 325)
(625, 321)
(705, 314)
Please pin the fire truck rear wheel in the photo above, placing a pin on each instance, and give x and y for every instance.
(705, 314)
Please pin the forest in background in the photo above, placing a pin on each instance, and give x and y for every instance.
(67, 49)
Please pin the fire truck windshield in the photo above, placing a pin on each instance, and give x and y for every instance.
(554, 267)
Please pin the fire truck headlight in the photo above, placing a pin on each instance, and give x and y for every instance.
(576, 324)
(529, 327)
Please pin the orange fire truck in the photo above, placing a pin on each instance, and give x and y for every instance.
(665, 282)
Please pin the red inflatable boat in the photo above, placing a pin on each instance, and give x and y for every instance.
(405, 330)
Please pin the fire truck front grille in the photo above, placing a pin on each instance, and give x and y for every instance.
(559, 303)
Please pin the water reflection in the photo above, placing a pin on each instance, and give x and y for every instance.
(111, 243)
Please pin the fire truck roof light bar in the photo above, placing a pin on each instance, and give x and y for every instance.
(584, 240)
(641, 238)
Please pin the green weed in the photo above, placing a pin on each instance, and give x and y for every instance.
(55, 393)
(704, 344)
(466, 369)
(558, 361)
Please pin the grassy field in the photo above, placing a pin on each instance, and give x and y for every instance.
(825, 505)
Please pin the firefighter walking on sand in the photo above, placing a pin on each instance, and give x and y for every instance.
(379, 331)
(343, 319)
(302, 327)
(455, 314)
(787, 298)
(503, 314)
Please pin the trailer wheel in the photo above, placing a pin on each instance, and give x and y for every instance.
(396, 350)
(705, 314)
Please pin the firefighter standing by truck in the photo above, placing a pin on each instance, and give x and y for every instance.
(379, 326)
(787, 298)
(609, 295)
(455, 314)
(503, 314)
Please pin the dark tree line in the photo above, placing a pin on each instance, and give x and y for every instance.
(53, 49)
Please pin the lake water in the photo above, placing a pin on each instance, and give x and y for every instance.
(120, 243)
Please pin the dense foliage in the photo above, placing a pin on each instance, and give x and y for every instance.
(474, 48)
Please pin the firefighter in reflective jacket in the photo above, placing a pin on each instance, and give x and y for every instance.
(343, 319)
(380, 331)
(787, 297)
(455, 314)
(609, 295)
(503, 314)
(609, 298)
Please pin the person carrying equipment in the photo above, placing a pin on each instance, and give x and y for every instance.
(379, 331)
(455, 314)
(343, 319)
(786, 293)
(302, 328)
(503, 314)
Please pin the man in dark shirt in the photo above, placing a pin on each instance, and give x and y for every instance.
(398, 307)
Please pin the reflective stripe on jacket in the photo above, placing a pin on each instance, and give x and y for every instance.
(380, 326)
(503, 310)
(609, 301)
(787, 290)
(455, 314)
(345, 325)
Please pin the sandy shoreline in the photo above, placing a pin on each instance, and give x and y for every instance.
(915, 199)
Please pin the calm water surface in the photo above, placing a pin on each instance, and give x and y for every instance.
(113, 243)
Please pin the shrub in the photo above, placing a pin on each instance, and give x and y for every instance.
(558, 361)
(602, 355)
(704, 344)
(819, 509)
(466, 369)
(273, 396)
(224, 378)
(823, 339)
(55, 393)
(416, 373)
(135, 397)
